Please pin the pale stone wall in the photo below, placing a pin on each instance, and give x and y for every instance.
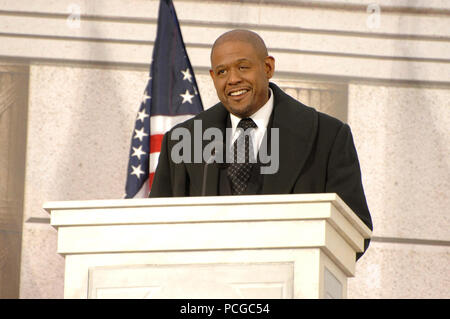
(403, 145)
(387, 75)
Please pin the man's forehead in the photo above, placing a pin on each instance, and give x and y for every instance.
(233, 51)
(233, 44)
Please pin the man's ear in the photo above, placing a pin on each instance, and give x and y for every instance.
(211, 72)
(269, 64)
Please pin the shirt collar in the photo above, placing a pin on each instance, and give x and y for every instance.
(260, 117)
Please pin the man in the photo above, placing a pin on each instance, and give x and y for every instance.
(316, 151)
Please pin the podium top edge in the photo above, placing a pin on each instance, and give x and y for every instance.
(195, 201)
(332, 198)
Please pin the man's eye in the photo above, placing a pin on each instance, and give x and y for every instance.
(243, 67)
(221, 72)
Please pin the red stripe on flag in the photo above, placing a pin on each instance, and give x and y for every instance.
(155, 143)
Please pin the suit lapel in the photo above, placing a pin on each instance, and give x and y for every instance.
(297, 126)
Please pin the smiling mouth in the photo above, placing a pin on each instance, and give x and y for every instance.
(238, 93)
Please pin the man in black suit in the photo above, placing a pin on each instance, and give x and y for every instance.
(315, 152)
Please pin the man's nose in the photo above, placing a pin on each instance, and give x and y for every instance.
(234, 77)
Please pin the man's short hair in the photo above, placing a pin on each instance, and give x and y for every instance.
(246, 36)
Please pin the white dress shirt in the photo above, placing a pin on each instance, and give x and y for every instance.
(261, 119)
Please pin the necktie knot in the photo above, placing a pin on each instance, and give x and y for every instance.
(246, 123)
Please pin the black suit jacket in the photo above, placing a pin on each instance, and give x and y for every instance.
(316, 155)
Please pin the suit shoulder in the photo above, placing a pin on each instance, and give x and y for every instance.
(205, 115)
(297, 109)
(330, 127)
(214, 111)
(329, 120)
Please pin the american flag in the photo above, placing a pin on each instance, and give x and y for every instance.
(170, 97)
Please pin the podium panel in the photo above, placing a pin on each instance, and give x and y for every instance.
(271, 246)
(234, 280)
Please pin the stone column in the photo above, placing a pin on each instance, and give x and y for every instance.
(13, 116)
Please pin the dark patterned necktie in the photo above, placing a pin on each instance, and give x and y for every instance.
(239, 170)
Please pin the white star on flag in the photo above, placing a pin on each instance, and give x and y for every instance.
(145, 97)
(137, 171)
(187, 75)
(187, 97)
(142, 115)
(138, 152)
(139, 134)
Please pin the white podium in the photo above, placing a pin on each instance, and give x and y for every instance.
(267, 246)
